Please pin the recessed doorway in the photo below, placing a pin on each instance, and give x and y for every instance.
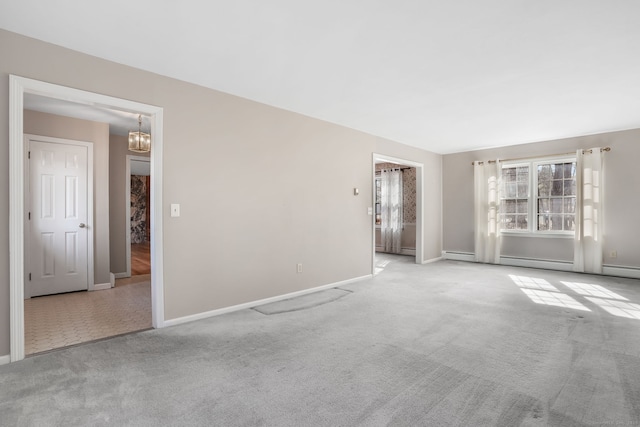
(397, 209)
(19, 88)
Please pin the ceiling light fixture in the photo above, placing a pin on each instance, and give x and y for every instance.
(139, 141)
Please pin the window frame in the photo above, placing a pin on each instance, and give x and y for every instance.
(532, 200)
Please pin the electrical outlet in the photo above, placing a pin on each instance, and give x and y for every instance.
(299, 268)
(613, 254)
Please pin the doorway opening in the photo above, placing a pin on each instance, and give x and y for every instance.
(397, 212)
(137, 216)
(20, 88)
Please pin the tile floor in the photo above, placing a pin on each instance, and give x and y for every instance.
(62, 320)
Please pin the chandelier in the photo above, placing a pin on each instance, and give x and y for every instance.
(139, 141)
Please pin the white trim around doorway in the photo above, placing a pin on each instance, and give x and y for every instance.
(18, 87)
(381, 158)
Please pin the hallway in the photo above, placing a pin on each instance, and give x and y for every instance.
(62, 320)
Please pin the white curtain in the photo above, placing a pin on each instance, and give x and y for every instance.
(587, 253)
(391, 210)
(487, 177)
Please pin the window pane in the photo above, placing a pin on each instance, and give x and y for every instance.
(569, 170)
(557, 171)
(543, 205)
(543, 222)
(523, 174)
(570, 205)
(510, 190)
(508, 222)
(544, 189)
(556, 205)
(523, 206)
(509, 174)
(569, 222)
(523, 189)
(544, 173)
(555, 223)
(521, 222)
(509, 206)
(556, 188)
(570, 187)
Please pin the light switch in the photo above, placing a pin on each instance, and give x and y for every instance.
(175, 209)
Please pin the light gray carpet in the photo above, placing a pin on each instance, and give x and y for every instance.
(442, 344)
(302, 302)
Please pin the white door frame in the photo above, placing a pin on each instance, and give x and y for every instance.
(127, 207)
(381, 158)
(18, 86)
(90, 225)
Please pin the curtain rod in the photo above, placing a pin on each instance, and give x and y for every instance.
(548, 155)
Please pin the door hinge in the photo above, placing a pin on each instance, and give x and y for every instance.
(29, 216)
(29, 276)
(28, 154)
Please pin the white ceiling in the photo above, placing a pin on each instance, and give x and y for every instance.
(445, 76)
(120, 122)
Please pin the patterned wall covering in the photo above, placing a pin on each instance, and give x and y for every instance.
(138, 209)
(408, 189)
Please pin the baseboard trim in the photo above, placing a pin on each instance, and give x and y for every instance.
(121, 275)
(403, 251)
(613, 270)
(101, 286)
(536, 263)
(5, 359)
(429, 261)
(607, 270)
(459, 256)
(225, 310)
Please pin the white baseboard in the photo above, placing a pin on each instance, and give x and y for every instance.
(212, 313)
(403, 251)
(537, 263)
(607, 270)
(613, 270)
(5, 359)
(459, 256)
(429, 261)
(101, 286)
(121, 275)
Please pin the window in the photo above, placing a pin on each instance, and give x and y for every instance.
(539, 196)
(556, 196)
(515, 198)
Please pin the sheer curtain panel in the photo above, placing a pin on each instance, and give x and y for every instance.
(587, 253)
(487, 211)
(391, 210)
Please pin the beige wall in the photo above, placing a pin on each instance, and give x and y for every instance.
(51, 125)
(118, 152)
(621, 203)
(245, 224)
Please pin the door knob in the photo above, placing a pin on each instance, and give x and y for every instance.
(82, 225)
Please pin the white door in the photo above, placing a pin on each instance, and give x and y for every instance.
(58, 198)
